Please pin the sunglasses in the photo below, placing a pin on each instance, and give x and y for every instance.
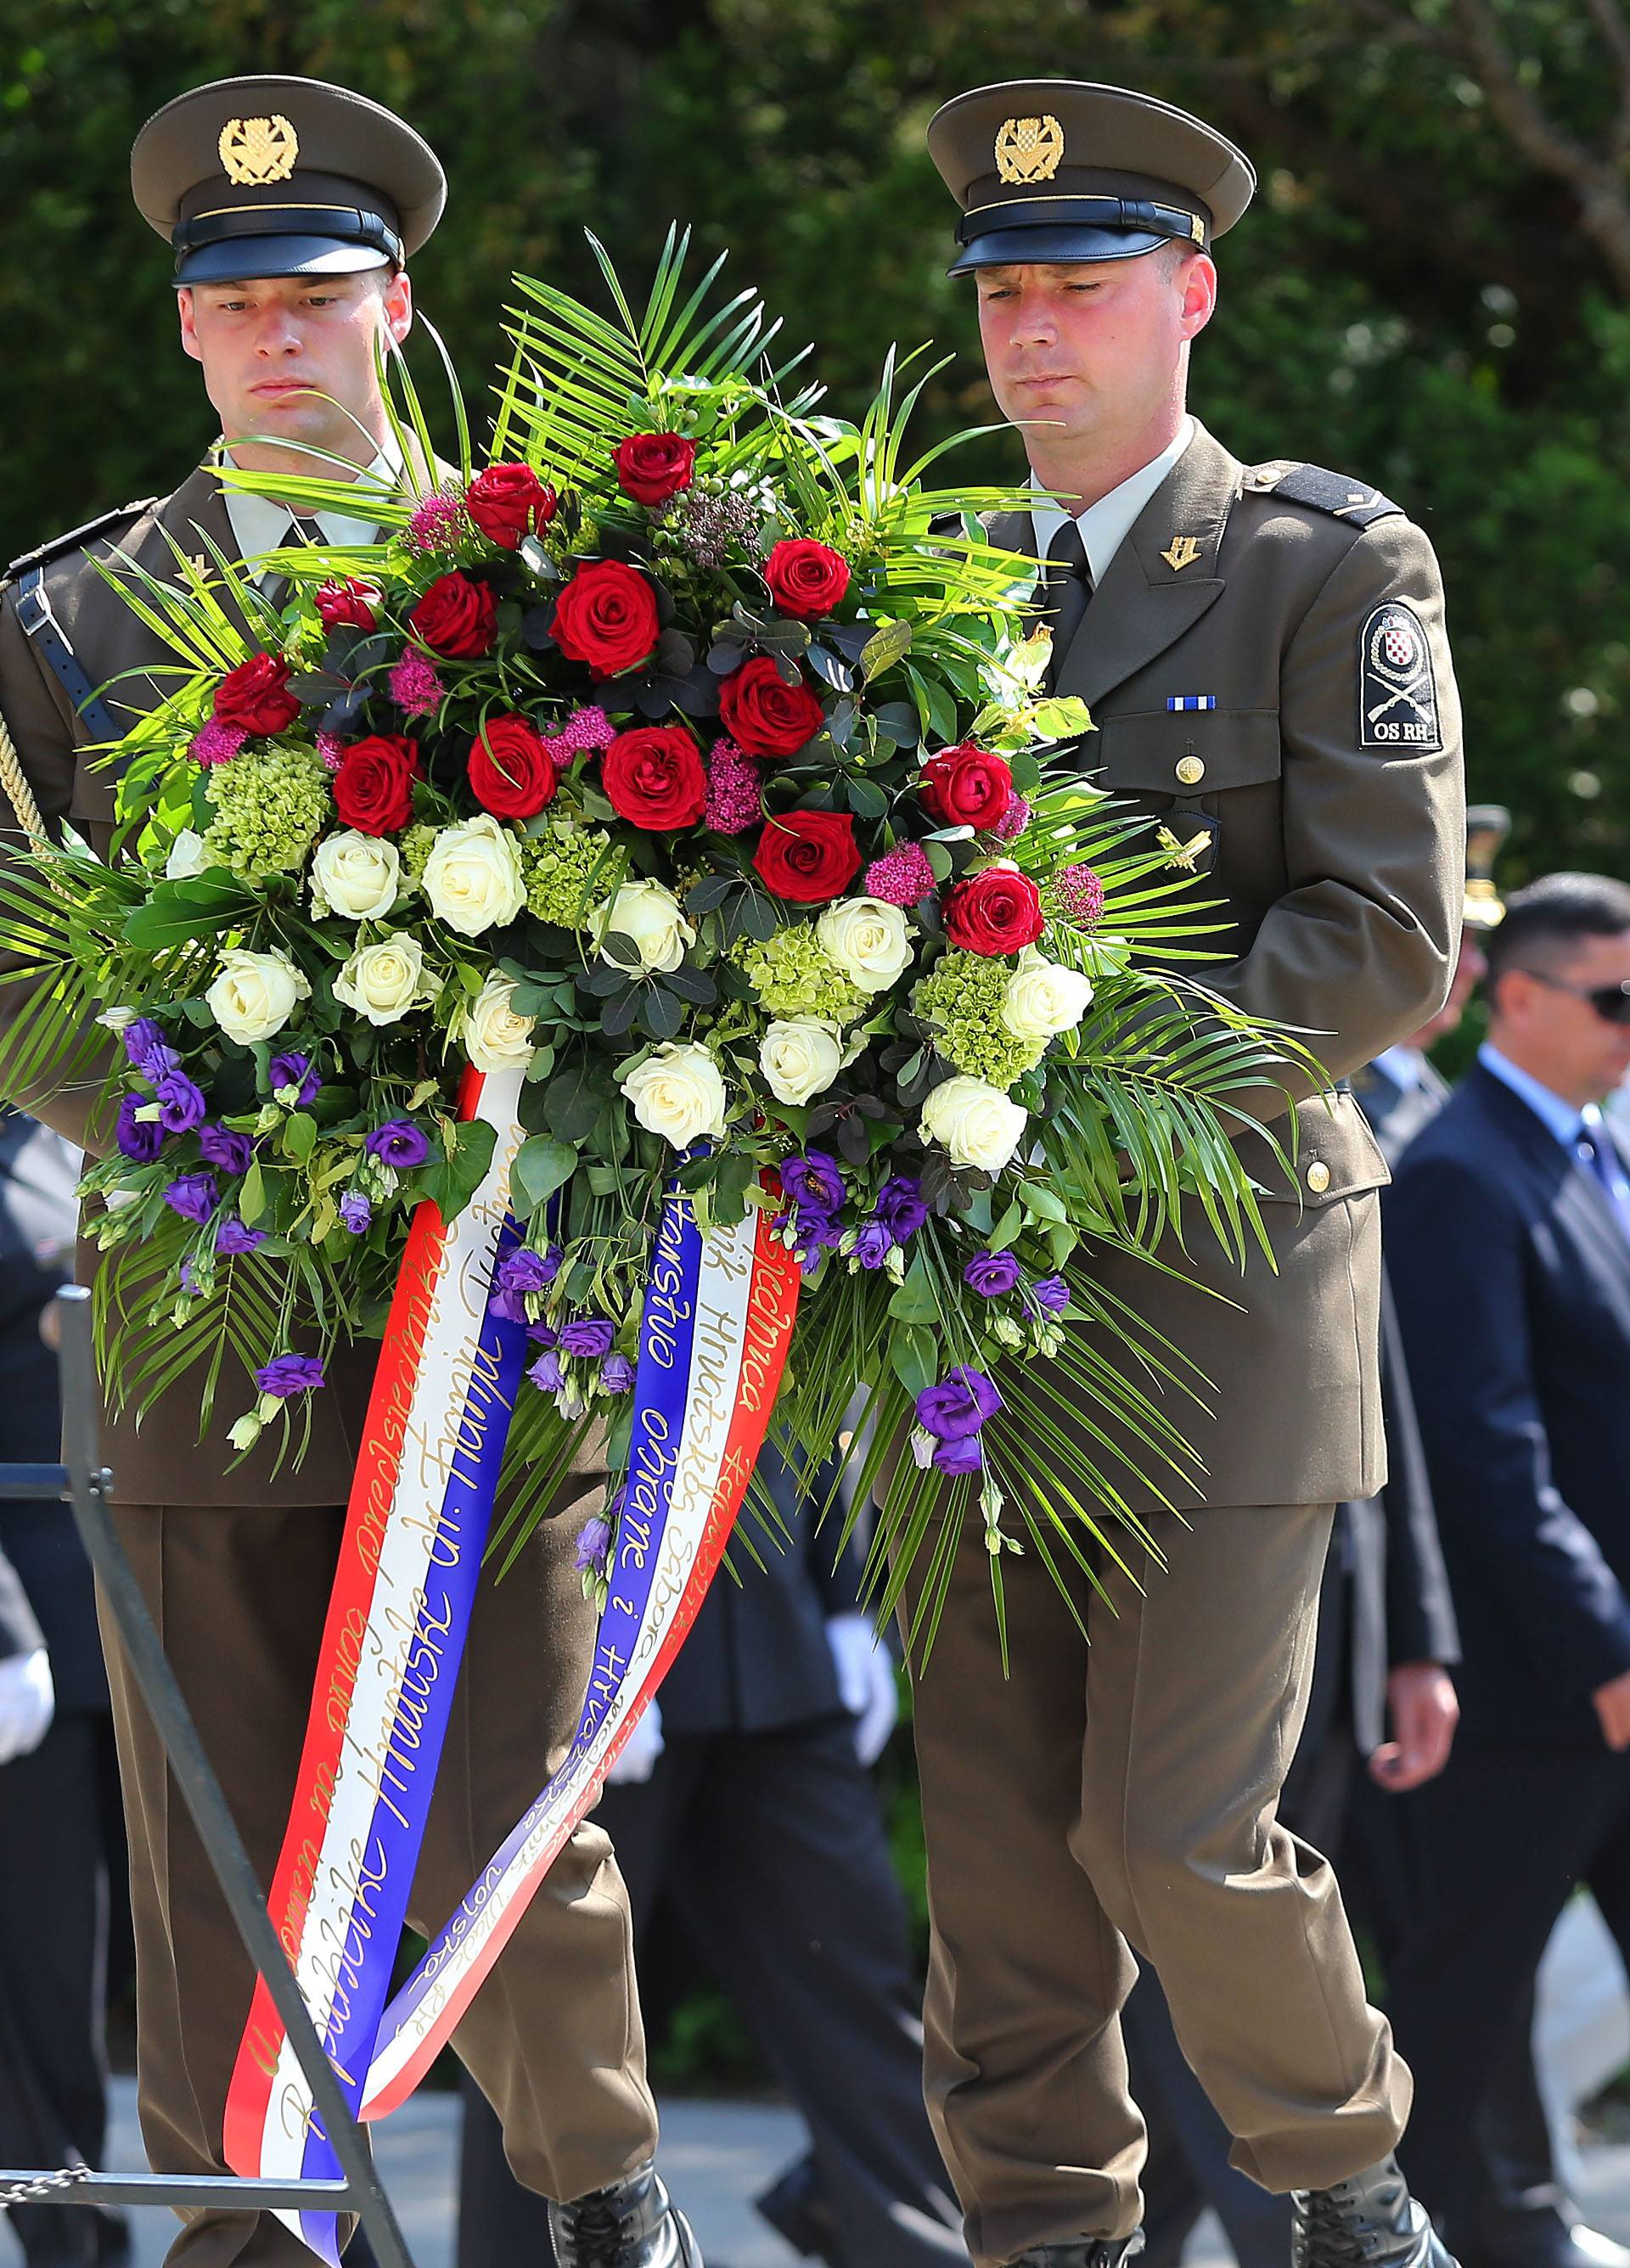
(1611, 1002)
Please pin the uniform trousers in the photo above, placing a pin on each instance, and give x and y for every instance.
(554, 2037)
(1121, 1794)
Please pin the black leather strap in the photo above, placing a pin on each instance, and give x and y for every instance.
(45, 633)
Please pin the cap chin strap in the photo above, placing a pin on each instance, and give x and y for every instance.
(1085, 212)
(346, 223)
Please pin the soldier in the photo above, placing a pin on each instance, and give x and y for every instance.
(293, 206)
(1263, 650)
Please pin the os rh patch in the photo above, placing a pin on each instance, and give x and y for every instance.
(1397, 693)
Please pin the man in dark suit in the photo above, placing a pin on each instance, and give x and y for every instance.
(756, 1819)
(1508, 1239)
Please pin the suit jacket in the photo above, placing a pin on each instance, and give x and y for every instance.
(161, 1461)
(1338, 868)
(1397, 1114)
(1513, 1282)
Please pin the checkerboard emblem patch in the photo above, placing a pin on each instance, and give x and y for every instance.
(1397, 693)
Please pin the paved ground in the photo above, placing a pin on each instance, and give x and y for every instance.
(717, 2156)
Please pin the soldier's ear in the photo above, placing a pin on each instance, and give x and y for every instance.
(398, 302)
(190, 329)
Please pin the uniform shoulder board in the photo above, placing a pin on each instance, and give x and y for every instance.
(1336, 493)
(78, 537)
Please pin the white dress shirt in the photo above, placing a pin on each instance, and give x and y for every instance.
(1104, 525)
(1405, 1067)
(260, 524)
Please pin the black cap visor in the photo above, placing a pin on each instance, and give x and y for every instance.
(1063, 246)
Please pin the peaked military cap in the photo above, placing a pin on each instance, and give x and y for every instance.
(1060, 170)
(272, 176)
(1488, 826)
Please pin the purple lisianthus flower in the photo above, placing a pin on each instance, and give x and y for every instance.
(1050, 1294)
(543, 1335)
(194, 1196)
(990, 1274)
(526, 1270)
(290, 1373)
(235, 1236)
(817, 1228)
(546, 1373)
(293, 1069)
(616, 1374)
(590, 1335)
(813, 1182)
(593, 1547)
(139, 1139)
(188, 1279)
(958, 1405)
(961, 1455)
(900, 1206)
(874, 1242)
(181, 1105)
(355, 1211)
(148, 1049)
(398, 1143)
(221, 1146)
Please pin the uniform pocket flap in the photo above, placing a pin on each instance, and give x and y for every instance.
(1187, 751)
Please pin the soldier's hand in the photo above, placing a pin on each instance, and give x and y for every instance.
(865, 1681)
(1424, 1710)
(27, 1702)
(1612, 1706)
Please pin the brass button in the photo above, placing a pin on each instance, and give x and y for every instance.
(1190, 769)
(1318, 1177)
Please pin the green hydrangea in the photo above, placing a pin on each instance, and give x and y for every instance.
(558, 863)
(963, 998)
(415, 849)
(270, 804)
(793, 976)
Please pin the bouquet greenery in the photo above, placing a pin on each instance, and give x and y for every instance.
(688, 754)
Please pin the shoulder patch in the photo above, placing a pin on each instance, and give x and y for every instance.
(1397, 693)
(78, 537)
(1344, 498)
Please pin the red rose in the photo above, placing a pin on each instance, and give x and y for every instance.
(255, 696)
(653, 466)
(806, 578)
(654, 778)
(509, 501)
(764, 717)
(373, 786)
(965, 787)
(457, 617)
(996, 910)
(807, 856)
(512, 774)
(606, 616)
(346, 604)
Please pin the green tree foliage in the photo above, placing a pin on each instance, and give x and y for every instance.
(1432, 289)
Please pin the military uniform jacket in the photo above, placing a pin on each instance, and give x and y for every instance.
(161, 1462)
(1325, 773)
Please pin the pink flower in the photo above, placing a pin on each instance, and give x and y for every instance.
(331, 748)
(414, 687)
(587, 728)
(901, 877)
(1080, 895)
(217, 743)
(1012, 822)
(735, 801)
(438, 523)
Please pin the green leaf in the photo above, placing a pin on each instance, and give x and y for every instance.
(177, 912)
(883, 649)
(300, 1136)
(913, 1301)
(911, 1351)
(1041, 1204)
(572, 1100)
(1007, 1228)
(939, 856)
(866, 799)
(543, 1165)
(252, 1194)
(453, 1182)
(618, 946)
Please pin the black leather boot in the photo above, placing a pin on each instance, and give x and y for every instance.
(1369, 2221)
(633, 2224)
(1084, 2252)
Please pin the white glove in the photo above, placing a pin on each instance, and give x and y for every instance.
(636, 1759)
(27, 1702)
(866, 1684)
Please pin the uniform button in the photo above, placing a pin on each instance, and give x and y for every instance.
(1318, 1177)
(1190, 769)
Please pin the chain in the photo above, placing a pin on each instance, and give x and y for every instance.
(42, 2186)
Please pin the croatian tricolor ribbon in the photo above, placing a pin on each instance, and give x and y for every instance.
(717, 1319)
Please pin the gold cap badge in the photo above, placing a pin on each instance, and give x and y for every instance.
(257, 151)
(1029, 149)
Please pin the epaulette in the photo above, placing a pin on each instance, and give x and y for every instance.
(76, 538)
(1336, 493)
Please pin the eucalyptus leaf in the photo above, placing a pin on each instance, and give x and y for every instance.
(543, 1165)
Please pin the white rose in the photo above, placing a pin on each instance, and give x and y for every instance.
(1044, 998)
(974, 1121)
(651, 915)
(255, 994)
(473, 876)
(354, 875)
(801, 1057)
(677, 1092)
(495, 1037)
(187, 856)
(383, 982)
(868, 940)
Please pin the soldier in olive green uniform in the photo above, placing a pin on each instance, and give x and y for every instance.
(1263, 650)
(304, 188)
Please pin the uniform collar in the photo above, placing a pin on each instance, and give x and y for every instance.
(260, 524)
(1104, 525)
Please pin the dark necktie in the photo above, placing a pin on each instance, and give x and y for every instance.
(303, 529)
(1068, 593)
(1597, 1155)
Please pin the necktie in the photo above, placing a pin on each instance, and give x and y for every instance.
(1068, 593)
(1598, 1154)
(303, 529)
